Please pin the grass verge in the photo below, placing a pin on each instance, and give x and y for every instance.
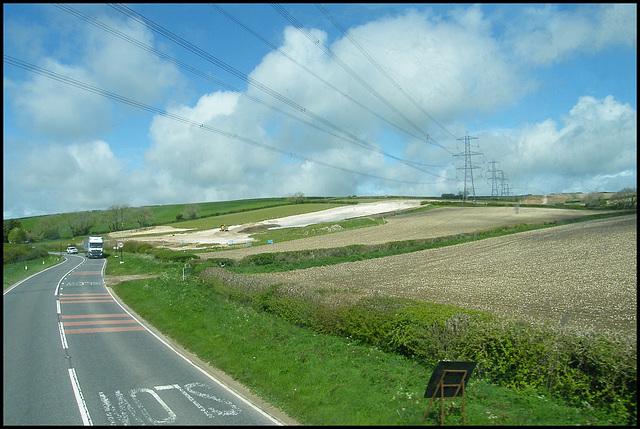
(326, 379)
(15, 272)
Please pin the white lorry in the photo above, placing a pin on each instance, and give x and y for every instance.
(93, 247)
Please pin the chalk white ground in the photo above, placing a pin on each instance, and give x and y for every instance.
(189, 238)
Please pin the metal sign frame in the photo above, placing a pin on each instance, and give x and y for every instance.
(447, 381)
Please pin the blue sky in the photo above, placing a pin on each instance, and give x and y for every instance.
(163, 104)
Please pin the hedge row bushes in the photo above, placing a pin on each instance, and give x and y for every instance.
(14, 253)
(585, 368)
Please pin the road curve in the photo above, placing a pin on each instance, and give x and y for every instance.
(73, 356)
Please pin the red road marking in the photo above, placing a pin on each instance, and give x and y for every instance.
(88, 316)
(85, 294)
(95, 330)
(75, 298)
(99, 322)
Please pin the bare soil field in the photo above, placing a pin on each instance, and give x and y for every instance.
(437, 222)
(580, 275)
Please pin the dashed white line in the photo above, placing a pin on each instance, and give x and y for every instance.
(63, 337)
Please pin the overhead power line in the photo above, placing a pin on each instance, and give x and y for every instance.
(317, 42)
(226, 67)
(299, 64)
(381, 69)
(113, 96)
(343, 136)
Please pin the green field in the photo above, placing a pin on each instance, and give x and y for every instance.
(328, 373)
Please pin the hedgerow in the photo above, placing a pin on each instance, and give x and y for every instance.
(586, 368)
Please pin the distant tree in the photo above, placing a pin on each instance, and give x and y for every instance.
(47, 228)
(626, 198)
(81, 223)
(594, 199)
(191, 211)
(17, 235)
(297, 198)
(7, 226)
(142, 215)
(117, 216)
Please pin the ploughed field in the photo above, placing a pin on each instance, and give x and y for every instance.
(581, 275)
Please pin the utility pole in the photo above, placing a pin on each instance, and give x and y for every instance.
(493, 171)
(469, 187)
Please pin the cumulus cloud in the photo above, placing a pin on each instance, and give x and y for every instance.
(68, 112)
(595, 149)
(225, 146)
(58, 179)
(551, 33)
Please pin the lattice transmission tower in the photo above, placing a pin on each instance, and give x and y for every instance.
(469, 187)
(505, 191)
(493, 172)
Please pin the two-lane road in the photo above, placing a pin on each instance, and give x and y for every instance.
(72, 356)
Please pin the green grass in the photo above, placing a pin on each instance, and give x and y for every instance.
(13, 273)
(321, 379)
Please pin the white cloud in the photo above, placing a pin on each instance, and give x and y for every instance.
(48, 107)
(596, 147)
(125, 69)
(456, 66)
(58, 179)
(544, 35)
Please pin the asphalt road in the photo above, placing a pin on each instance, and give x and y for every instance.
(73, 356)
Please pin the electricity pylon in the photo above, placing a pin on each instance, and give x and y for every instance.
(469, 187)
(493, 171)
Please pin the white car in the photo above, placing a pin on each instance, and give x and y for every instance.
(72, 250)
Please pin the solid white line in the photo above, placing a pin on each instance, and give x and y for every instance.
(58, 308)
(220, 383)
(55, 292)
(82, 406)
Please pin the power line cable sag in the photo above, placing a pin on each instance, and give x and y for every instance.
(107, 94)
(341, 63)
(330, 85)
(223, 84)
(221, 64)
(373, 61)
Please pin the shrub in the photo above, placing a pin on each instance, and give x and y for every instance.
(137, 247)
(583, 368)
(14, 253)
(171, 255)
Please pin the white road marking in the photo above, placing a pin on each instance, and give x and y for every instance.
(55, 292)
(63, 337)
(82, 406)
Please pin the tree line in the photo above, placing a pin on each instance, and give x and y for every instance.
(79, 223)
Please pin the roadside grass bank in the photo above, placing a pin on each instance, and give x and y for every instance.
(370, 363)
(295, 260)
(21, 261)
